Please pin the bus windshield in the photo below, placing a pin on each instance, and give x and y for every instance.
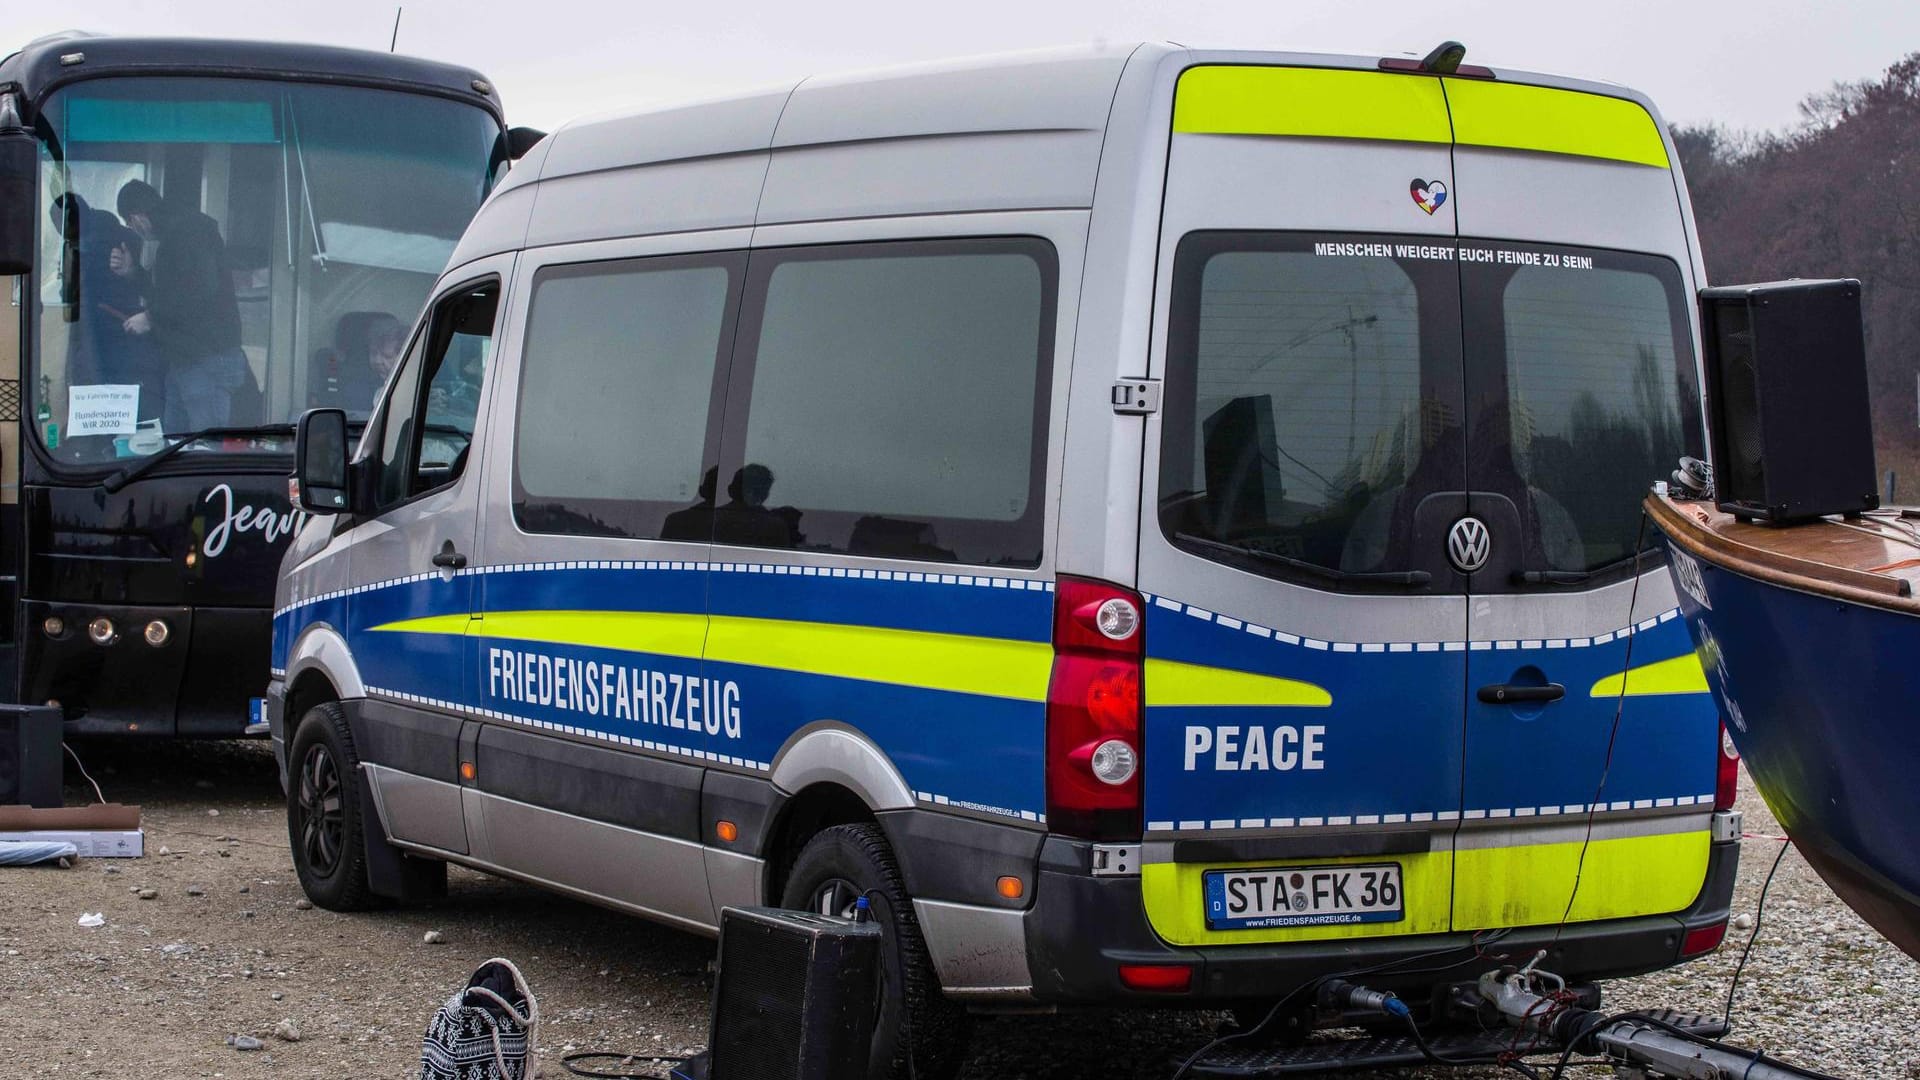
(227, 253)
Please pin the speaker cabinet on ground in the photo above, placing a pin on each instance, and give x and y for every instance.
(30, 755)
(796, 996)
(1787, 407)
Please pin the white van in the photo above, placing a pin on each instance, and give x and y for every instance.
(1164, 519)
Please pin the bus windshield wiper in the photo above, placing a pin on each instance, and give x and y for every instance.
(117, 480)
(1383, 577)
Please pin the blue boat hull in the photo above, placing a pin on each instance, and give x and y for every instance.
(1822, 699)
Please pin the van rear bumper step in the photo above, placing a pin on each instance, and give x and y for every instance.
(1388, 1051)
(1072, 965)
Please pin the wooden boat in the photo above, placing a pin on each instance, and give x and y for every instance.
(1810, 637)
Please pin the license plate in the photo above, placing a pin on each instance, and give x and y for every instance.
(1303, 896)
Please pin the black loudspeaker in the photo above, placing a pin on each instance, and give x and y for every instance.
(796, 996)
(30, 755)
(1787, 407)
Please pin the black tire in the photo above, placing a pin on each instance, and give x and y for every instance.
(847, 861)
(324, 825)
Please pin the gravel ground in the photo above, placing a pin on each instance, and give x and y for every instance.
(224, 947)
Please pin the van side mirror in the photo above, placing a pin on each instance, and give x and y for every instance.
(320, 473)
(19, 163)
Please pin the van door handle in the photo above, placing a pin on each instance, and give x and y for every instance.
(449, 558)
(1509, 694)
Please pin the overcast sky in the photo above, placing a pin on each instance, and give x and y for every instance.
(1745, 64)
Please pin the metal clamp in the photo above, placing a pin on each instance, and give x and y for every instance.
(1136, 397)
(1116, 860)
(1727, 825)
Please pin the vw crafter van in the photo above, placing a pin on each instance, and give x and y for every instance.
(1166, 520)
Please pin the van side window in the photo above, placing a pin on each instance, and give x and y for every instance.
(617, 394)
(895, 401)
(428, 424)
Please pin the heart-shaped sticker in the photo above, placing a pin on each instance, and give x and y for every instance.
(1428, 195)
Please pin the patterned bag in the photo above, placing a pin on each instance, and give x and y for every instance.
(484, 1032)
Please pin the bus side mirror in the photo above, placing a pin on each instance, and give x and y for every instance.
(522, 139)
(320, 474)
(19, 162)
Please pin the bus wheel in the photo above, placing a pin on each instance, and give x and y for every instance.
(323, 812)
(836, 868)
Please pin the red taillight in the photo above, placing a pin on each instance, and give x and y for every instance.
(1727, 781)
(1157, 978)
(1703, 939)
(1093, 711)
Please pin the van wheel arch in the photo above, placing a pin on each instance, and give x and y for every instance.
(801, 817)
(310, 688)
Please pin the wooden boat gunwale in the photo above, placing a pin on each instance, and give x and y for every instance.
(1788, 559)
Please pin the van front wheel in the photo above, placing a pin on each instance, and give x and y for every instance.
(836, 868)
(323, 812)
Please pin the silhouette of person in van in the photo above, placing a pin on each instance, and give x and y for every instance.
(745, 519)
(696, 521)
(366, 349)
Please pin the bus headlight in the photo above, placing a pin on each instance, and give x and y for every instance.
(102, 632)
(54, 626)
(157, 633)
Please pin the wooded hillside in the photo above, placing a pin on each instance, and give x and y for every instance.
(1838, 197)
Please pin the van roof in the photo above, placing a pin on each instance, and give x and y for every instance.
(1050, 90)
(1016, 131)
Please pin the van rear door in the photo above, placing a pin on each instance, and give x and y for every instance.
(1576, 286)
(1306, 637)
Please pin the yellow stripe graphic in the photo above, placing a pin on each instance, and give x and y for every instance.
(1347, 104)
(1680, 675)
(992, 667)
(1169, 682)
(1323, 102)
(1554, 121)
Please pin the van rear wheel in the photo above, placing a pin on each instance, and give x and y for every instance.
(324, 826)
(836, 868)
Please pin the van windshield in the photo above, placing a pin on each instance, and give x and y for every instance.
(1321, 386)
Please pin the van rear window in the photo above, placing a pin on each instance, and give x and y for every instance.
(1599, 392)
(1322, 387)
(1312, 379)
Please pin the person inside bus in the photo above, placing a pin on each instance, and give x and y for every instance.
(366, 349)
(99, 349)
(191, 313)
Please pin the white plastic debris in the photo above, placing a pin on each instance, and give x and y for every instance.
(29, 852)
(93, 918)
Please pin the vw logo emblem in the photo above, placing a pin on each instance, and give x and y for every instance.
(1469, 544)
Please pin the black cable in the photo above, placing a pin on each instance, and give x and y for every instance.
(1317, 982)
(567, 1063)
(1759, 911)
(1514, 1063)
(1619, 710)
